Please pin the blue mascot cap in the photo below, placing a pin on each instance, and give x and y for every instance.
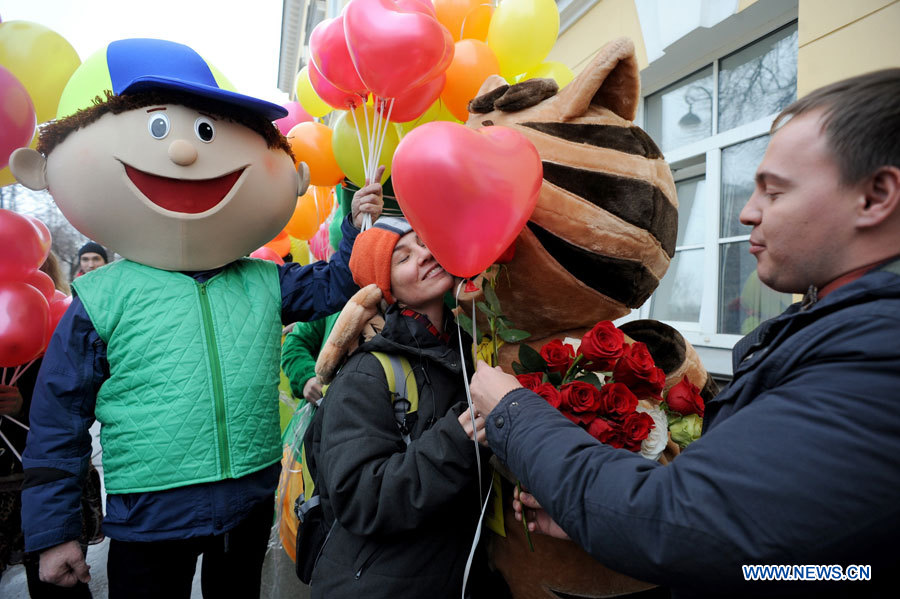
(140, 65)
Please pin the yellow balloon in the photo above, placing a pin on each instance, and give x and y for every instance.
(436, 112)
(550, 69)
(345, 144)
(41, 59)
(299, 250)
(307, 96)
(522, 33)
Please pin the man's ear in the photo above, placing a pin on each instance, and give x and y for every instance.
(29, 167)
(881, 197)
(303, 172)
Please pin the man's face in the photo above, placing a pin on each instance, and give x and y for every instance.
(416, 277)
(91, 261)
(172, 187)
(801, 214)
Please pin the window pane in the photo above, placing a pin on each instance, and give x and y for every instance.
(744, 302)
(691, 210)
(681, 113)
(739, 163)
(679, 293)
(758, 80)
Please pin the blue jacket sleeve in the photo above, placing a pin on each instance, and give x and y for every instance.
(321, 288)
(58, 450)
(807, 472)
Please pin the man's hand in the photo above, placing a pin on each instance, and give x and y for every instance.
(64, 565)
(489, 385)
(368, 200)
(465, 419)
(312, 390)
(10, 401)
(538, 520)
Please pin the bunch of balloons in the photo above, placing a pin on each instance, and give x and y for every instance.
(30, 305)
(35, 65)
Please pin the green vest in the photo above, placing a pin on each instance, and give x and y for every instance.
(192, 395)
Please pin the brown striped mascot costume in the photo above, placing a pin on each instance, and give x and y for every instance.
(597, 245)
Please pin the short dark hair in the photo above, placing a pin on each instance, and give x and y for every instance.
(861, 120)
(55, 132)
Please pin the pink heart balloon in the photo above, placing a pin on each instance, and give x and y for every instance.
(413, 103)
(334, 97)
(296, 115)
(467, 193)
(395, 47)
(328, 49)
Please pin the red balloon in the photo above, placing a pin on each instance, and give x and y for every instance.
(296, 115)
(25, 242)
(328, 48)
(266, 253)
(17, 118)
(395, 48)
(333, 96)
(24, 320)
(413, 104)
(466, 193)
(58, 307)
(42, 282)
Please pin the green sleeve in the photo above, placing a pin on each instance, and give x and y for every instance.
(301, 348)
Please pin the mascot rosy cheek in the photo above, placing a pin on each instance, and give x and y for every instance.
(154, 156)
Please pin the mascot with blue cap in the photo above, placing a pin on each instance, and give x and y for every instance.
(175, 349)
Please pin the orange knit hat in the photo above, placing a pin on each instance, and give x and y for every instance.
(370, 261)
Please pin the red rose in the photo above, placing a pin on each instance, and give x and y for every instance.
(558, 356)
(530, 380)
(549, 393)
(637, 370)
(601, 346)
(684, 398)
(617, 401)
(607, 432)
(637, 427)
(582, 419)
(579, 396)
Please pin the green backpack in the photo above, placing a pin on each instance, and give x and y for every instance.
(312, 530)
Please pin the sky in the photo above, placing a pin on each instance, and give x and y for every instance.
(240, 37)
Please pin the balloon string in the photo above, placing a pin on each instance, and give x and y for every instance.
(462, 358)
(18, 373)
(14, 421)
(368, 140)
(371, 139)
(362, 152)
(477, 538)
(387, 124)
(3, 377)
(10, 445)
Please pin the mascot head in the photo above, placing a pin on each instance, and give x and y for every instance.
(153, 155)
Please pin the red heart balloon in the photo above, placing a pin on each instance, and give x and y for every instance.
(336, 98)
(394, 46)
(413, 103)
(24, 323)
(328, 49)
(466, 193)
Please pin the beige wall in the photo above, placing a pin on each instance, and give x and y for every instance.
(606, 21)
(839, 39)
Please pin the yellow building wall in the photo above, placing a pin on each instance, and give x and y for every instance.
(606, 21)
(839, 39)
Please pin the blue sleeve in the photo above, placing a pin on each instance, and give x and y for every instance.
(321, 288)
(58, 450)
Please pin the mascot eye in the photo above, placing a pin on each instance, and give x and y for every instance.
(158, 125)
(204, 129)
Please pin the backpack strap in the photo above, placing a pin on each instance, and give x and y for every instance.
(402, 384)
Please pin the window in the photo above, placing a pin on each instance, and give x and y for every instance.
(713, 127)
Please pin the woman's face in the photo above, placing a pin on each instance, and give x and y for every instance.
(416, 277)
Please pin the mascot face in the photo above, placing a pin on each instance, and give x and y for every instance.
(603, 232)
(173, 188)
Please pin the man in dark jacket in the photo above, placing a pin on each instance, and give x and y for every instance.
(797, 465)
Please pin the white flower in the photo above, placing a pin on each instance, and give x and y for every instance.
(653, 446)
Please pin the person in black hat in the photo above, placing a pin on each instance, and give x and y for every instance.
(91, 256)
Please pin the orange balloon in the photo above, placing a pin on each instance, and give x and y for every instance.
(465, 19)
(477, 22)
(281, 245)
(313, 208)
(472, 63)
(311, 143)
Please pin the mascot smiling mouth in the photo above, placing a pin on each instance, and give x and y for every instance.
(183, 195)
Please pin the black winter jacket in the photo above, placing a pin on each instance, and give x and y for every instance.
(406, 515)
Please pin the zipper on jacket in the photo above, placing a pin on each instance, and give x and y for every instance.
(218, 388)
